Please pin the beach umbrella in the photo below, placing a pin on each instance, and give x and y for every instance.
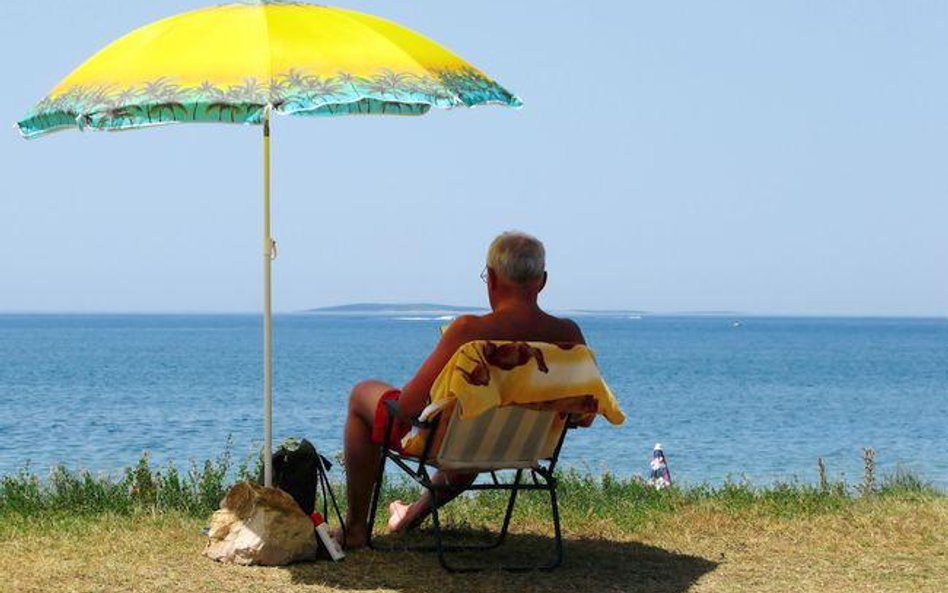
(242, 63)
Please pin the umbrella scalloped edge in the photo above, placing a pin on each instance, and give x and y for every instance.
(163, 101)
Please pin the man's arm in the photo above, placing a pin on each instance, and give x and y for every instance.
(416, 392)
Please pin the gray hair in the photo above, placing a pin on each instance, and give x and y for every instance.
(517, 257)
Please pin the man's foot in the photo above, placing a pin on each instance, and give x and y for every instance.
(355, 537)
(398, 519)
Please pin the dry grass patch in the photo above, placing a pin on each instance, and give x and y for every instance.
(873, 544)
(888, 545)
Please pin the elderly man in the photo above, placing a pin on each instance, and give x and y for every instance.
(515, 275)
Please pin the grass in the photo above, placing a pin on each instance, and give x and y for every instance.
(79, 532)
(142, 489)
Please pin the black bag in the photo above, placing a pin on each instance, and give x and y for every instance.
(299, 470)
(295, 471)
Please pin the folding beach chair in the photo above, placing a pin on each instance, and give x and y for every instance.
(500, 406)
(524, 440)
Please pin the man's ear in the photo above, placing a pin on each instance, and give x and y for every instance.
(491, 278)
(542, 283)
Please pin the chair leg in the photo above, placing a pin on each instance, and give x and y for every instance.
(558, 535)
(505, 527)
(509, 514)
(557, 539)
(439, 541)
(376, 494)
(442, 549)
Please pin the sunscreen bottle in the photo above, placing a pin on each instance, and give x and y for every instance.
(322, 531)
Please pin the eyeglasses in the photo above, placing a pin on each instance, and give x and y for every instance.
(484, 274)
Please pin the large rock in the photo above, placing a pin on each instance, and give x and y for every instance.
(258, 525)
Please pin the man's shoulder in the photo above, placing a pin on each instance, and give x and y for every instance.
(571, 330)
(465, 328)
(467, 321)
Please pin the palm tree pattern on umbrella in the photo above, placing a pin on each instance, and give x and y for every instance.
(163, 101)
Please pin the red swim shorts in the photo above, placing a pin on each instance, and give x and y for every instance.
(399, 427)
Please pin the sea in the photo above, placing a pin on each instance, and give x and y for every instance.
(758, 399)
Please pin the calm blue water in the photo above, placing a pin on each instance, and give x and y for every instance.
(763, 400)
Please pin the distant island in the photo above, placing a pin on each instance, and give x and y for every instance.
(442, 310)
(384, 309)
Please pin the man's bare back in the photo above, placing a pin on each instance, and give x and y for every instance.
(530, 326)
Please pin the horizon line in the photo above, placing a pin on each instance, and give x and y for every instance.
(576, 311)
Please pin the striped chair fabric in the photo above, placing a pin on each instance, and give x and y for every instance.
(508, 437)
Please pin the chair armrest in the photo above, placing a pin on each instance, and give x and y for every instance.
(579, 420)
(433, 409)
(394, 410)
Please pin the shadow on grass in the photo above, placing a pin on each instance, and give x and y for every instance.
(588, 565)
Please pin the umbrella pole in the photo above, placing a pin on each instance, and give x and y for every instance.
(267, 311)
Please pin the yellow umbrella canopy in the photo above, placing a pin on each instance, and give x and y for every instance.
(238, 63)
(229, 63)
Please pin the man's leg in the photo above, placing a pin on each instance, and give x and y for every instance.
(361, 458)
(404, 516)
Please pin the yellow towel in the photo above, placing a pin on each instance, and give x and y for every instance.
(485, 374)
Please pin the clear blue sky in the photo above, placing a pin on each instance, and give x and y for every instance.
(767, 157)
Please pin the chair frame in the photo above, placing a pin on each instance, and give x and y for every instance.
(541, 478)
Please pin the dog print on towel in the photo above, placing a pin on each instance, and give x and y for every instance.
(505, 357)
